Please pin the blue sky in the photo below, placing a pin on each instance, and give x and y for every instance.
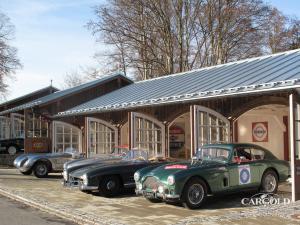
(52, 40)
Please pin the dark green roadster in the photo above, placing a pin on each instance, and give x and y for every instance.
(218, 168)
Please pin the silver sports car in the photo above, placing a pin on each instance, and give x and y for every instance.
(43, 163)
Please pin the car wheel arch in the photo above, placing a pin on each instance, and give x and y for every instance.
(270, 169)
(46, 161)
(198, 177)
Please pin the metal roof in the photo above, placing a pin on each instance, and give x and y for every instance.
(50, 88)
(261, 74)
(67, 92)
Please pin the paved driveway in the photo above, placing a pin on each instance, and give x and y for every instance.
(129, 209)
(15, 213)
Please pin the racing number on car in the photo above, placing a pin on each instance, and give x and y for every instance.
(244, 174)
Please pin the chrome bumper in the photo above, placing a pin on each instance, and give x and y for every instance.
(156, 194)
(83, 187)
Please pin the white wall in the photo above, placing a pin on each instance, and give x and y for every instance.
(276, 127)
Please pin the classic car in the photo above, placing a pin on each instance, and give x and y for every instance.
(12, 146)
(43, 163)
(110, 177)
(219, 168)
(116, 155)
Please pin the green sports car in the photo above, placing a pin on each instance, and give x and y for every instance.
(216, 168)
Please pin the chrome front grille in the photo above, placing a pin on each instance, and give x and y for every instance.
(151, 183)
(74, 181)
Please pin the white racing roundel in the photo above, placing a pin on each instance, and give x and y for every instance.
(244, 174)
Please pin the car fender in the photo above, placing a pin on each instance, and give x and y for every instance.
(31, 162)
(182, 177)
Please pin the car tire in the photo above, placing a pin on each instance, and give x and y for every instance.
(269, 182)
(194, 193)
(12, 150)
(29, 172)
(110, 186)
(41, 170)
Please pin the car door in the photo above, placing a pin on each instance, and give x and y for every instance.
(243, 171)
(58, 162)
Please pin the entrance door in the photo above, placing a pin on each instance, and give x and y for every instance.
(209, 127)
(148, 134)
(101, 138)
(66, 136)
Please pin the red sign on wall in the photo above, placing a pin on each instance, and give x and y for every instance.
(260, 132)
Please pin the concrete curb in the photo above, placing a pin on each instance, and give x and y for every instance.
(64, 214)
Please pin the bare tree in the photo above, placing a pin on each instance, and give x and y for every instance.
(83, 75)
(9, 62)
(282, 32)
(72, 79)
(155, 38)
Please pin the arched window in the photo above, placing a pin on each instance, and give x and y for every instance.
(102, 136)
(148, 134)
(210, 127)
(66, 136)
(4, 127)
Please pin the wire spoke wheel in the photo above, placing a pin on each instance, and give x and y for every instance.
(196, 193)
(270, 183)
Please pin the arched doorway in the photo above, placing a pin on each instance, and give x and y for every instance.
(267, 126)
(209, 127)
(102, 137)
(179, 137)
(147, 133)
(66, 136)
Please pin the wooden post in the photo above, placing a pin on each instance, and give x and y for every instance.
(193, 130)
(130, 130)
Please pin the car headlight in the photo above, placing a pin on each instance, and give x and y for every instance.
(161, 189)
(136, 176)
(65, 175)
(139, 186)
(171, 180)
(84, 179)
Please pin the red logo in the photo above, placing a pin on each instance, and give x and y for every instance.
(183, 167)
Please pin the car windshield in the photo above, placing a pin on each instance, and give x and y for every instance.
(71, 150)
(119, 150)
(136, 154)
(213, 154)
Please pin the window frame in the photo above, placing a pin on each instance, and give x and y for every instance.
(144, 134)
(113, 129)
(72, 127)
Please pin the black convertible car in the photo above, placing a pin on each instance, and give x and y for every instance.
(112, 176)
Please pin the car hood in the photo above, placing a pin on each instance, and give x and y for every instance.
(90, 161)
(106, 164)
(162, 172)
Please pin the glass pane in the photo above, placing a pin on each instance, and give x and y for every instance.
(67, 138)
(213, 120)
